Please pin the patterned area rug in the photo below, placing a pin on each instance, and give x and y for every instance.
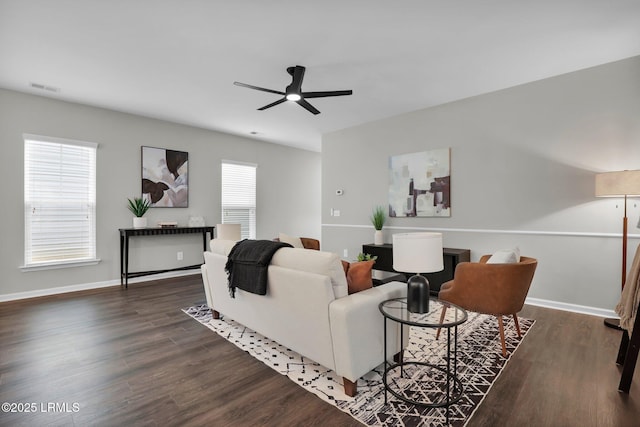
(480, 362)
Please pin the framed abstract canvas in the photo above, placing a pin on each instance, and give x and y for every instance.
(165, 177)
(419, 184)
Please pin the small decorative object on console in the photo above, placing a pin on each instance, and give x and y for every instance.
(139, 206)
(378, 218)
(167, 224)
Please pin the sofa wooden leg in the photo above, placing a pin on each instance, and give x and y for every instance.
(350, 387)
(501, 327)
(398, 357)
(215, 314)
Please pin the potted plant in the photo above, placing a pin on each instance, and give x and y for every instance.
(366, 257)
(378, 217)
(139, 206)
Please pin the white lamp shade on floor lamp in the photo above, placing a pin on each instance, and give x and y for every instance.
(618, 184)
(417, 253)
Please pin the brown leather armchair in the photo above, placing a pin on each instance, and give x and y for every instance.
(497, 289)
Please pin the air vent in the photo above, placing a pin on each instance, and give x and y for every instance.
(44, 87)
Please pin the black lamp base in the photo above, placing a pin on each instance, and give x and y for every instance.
(418, 294)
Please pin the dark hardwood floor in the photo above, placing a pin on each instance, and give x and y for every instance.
(131, 357)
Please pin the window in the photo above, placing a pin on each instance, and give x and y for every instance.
(239, 197)
(59, 202)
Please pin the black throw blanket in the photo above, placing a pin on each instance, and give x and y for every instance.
(247, 265)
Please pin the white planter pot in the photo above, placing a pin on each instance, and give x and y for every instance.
(139, 222)
(378, 239)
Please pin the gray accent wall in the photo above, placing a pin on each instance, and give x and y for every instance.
(288, 187)
(523, 164)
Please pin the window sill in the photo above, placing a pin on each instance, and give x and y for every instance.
(56, 265)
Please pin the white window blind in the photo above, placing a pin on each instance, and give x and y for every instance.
(239, 197)
(59, 201)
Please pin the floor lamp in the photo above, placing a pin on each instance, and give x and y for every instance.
(619, 184)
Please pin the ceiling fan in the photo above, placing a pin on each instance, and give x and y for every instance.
(294, 92)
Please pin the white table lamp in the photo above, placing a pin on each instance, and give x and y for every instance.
(417, 253)
(228, 231)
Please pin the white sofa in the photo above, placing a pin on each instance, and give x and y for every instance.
(307, 309)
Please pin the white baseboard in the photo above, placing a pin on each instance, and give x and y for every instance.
(593, 311)
(95, 285)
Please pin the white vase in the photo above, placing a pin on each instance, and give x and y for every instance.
(378, 239)
(139, 222)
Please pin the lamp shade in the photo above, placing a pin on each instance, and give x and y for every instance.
(621, 183)
(417, 252)
(228, 231)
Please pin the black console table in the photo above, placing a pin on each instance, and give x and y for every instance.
(125, 233)
(451, 258)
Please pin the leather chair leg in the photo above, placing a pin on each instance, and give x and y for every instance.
(515, 319)
(442, 314)
(501, 327)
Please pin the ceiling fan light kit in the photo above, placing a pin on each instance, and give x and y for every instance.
(294, 92)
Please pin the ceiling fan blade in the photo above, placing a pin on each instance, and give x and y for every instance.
(273, 104)
(327, 93)
(308, 106)
(258, 88)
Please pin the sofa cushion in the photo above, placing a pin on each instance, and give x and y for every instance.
(358, 275)
(325, 263)
(293, 241)
(505, 256)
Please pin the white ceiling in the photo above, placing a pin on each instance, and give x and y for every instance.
(177, 59)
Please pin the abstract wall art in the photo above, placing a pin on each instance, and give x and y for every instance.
(165, 178)
(419, 184)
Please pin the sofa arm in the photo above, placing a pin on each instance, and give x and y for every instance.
(357, 330)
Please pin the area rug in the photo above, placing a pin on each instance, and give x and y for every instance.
(480, 361)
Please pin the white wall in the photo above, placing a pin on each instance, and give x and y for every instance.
(523, 162)
(288, 185)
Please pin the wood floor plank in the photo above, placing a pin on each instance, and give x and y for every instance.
(131, 357)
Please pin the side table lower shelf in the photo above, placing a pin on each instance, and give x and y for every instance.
(420, 372)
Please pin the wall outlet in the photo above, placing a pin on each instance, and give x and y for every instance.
(336, 212)
(180, 256)
(345, 253)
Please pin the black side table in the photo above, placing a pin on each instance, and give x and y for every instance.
(445, 388)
